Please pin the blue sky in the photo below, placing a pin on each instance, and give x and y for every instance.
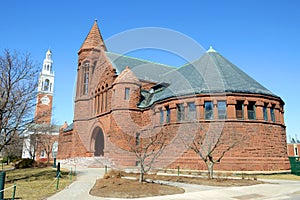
(259, 36)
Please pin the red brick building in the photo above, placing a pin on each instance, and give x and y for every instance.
(118, 95)
(293, 149)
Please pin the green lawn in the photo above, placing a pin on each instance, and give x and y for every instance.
(36, 183)
(280, 177)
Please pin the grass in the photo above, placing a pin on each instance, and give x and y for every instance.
(35, 183)
(280, 177)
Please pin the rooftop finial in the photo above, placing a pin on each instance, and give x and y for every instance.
(211, 50)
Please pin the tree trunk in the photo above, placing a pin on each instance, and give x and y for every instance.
(48, 158)
(210, 168)
(141, 177)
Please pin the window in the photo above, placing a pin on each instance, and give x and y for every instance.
(208, 108)
(46, 85)
(168, 112)
(137, 139)
(180, 112)
(222, 109)
(239, 109)
(161, 116)
(191, 111)
(86, 79)
(265, 112)
(296, 151)
(127, 91)
(106, 101)
(251, 110)
(43, 154)
(272, 114)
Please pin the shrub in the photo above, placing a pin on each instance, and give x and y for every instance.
(24, 163)
(113, 174)
(40, 164)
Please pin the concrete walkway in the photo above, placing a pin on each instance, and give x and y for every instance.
(275, 189)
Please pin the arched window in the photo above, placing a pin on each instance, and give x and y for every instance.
(47, 67)
(50, 89)
(86, 78)
(46, 85)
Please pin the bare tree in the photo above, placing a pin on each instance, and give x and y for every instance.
(46, 140)
(210, 145)
(18, 85)
(13, 150)
(30, 143)
(146, 145)
(40, 137)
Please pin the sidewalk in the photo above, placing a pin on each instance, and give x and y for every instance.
(79, 189)
(274, 189)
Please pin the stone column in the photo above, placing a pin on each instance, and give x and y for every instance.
(185, 107)
(215, 109)
(198, 109)
(269, 112)
(259, 110)
(231, 113)
(277, 113)
(245, 110)
(201, 109)
(173, 116)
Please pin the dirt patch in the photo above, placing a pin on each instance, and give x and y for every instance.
(223, 182)
(124, 188)
(115, 185)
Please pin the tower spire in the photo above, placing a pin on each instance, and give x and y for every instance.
(93, 39)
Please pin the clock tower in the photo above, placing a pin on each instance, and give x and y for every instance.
(43, 109)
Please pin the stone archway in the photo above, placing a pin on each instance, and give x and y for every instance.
(97, 143)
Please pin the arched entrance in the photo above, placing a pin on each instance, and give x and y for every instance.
(97, 142)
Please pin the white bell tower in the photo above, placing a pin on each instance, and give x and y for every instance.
(46, 79)
(43, 111)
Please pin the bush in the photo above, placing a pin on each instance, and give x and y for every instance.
(40, 164)
(113, 174)
(24, 163)
(8, 159)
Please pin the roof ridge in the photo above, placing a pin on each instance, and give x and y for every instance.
(140, 59)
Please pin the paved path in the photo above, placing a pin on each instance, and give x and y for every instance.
(275, 190)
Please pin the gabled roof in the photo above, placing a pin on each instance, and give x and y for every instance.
(93, 39)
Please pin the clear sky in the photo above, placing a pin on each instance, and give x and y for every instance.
(262, 37)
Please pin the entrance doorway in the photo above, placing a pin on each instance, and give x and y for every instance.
(98, 142)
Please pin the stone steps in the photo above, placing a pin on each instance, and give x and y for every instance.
(95, 162)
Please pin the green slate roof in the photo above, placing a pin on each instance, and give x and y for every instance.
(143, 69)
(211, 73)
